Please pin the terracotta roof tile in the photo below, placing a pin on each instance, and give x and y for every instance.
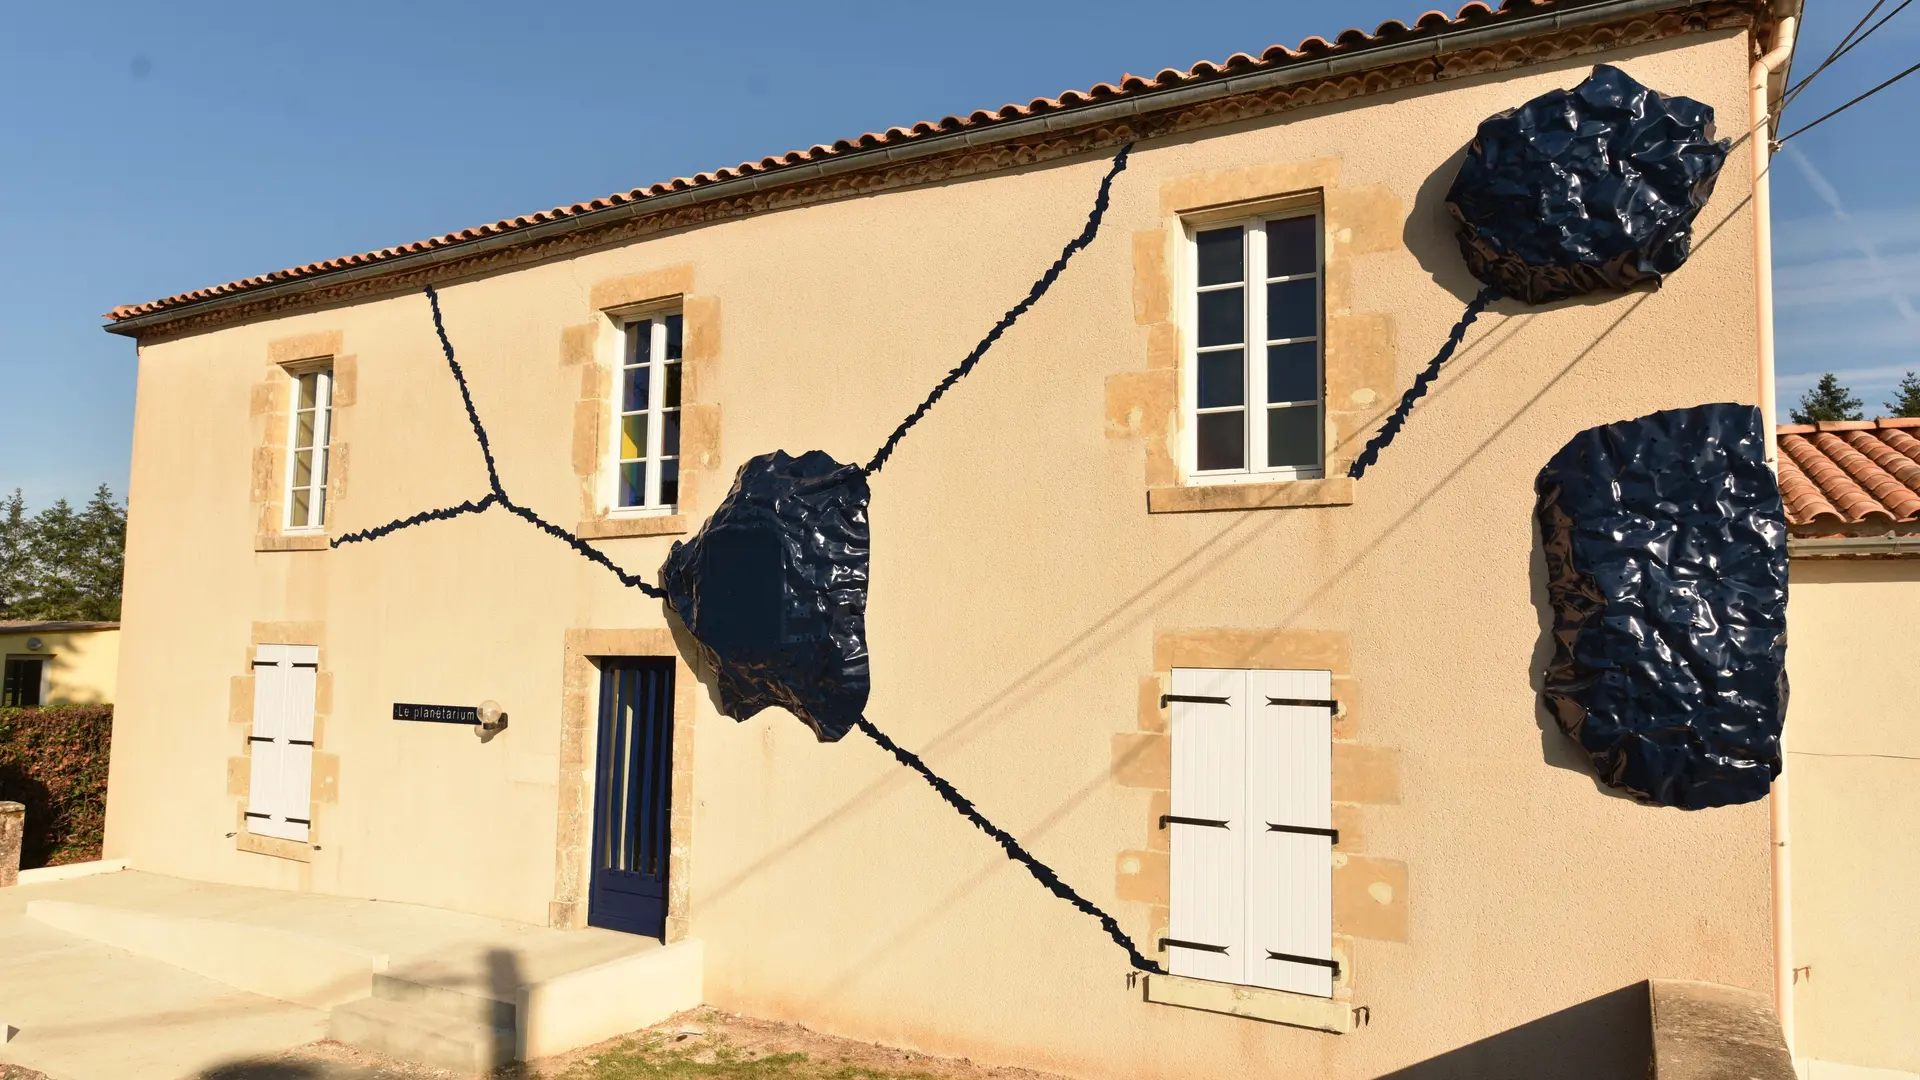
(1350, 40)
(1844, 476)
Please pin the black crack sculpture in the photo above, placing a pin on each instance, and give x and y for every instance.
(773, 587)
(1665, 544)
(1575, 192)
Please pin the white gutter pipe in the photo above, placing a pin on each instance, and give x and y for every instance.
(1760, 148)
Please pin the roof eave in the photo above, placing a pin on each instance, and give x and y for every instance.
(1419, 44)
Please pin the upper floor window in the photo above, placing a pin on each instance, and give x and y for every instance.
(1255, 370)
(308, 428)
(647, 415)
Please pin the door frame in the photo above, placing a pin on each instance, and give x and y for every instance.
(579, 749)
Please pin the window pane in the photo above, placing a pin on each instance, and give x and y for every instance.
(1293, 246)
(635, 382)
(1220, 320)
(1293, 436)
(1222, 440)
(670, 434)
(319, 517)
(673, 386)
(669, 482)
(633, 436)
(1223, 378)
(297, 516)
(1293, 372)
(1220, 256)
(633, 483)
(302, 430)
(309, 386)
(302, 468)
(1293, 309)
(674, 324)
(640, 341)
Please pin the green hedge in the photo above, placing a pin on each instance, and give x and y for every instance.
(55, 761)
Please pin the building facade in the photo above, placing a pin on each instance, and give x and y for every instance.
(1133, 499)
(1853, 502)
(58, 662)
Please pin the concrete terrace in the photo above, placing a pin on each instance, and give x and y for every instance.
(137, 976)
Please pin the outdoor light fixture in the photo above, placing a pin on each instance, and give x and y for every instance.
(33, 644)
(492, 720)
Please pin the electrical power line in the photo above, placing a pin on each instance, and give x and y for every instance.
(1848, 105)
(1846, 46)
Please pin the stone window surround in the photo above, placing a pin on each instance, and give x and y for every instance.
(326, 766)
(579, 722)
(1358, 346)
(594, 348)
(269, 403)
(1369, 893)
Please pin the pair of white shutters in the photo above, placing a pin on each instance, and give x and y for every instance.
(1252, 863)
(281, 787)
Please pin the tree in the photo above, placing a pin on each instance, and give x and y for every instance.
(1906, 397)
(1828, 400)
(15, 562)
(62, 564)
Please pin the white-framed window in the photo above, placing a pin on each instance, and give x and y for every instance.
(280, 783)
(1255, 370)
(309, 425)
(1251, 842)
(646, 413)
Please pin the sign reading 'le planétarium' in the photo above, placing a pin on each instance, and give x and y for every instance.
(437, 714)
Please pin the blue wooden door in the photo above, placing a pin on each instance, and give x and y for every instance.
(632, 792)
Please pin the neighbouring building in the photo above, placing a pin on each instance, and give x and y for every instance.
(58, 662)
(1102, 515)
(1852, 490)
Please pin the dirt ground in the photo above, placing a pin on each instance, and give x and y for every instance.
(702, 1044)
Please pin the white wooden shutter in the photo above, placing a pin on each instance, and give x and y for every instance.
(280, 785)
(1289, 873)
(1207, 904)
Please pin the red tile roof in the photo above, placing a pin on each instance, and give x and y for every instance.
(1314, 48)
(1850, 476)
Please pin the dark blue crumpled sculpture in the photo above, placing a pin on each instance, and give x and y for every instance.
(1584, 189)
(1666, 553)
(774, 590)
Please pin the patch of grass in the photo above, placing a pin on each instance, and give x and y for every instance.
(654, 1057)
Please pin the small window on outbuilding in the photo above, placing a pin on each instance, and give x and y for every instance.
(21, 686)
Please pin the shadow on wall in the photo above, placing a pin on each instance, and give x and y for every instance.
(1607, 1038)
(1557, 748)
(503, 984)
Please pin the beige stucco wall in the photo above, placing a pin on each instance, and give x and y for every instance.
(1018, 587)
(81, 665)
(1853, 763)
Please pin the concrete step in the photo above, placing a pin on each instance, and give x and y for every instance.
(305, 970)
(421, 1033)
(453, 1001)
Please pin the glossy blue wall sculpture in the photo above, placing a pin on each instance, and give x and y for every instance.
(1666, 562)
(774, 591)
(1585, 189)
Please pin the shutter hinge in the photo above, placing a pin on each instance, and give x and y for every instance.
(1305, 830)
(1167, 941)
(1194, 699)
(1314, 960)
(1329, 704)
(1175, 819)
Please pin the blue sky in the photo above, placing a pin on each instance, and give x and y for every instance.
(150, 149)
